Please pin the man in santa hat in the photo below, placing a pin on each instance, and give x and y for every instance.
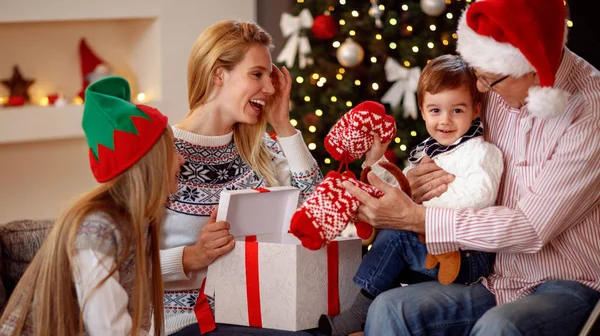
(542, 109)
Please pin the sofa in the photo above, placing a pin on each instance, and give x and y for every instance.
(19, 242)
(21, 239)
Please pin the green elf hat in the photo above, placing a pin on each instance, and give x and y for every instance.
(118, 132)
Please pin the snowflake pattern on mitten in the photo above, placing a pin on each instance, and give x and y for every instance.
(327, 212)
(353, 135)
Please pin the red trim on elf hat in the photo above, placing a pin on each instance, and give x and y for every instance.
(515, 37)
(129, 147)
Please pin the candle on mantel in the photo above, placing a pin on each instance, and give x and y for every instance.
(3, 101)
(141, 97)
(77, 101)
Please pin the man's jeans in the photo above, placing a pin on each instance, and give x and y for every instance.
(399, 257)
(556, 307)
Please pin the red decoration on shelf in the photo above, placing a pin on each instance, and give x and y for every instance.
(52, 98)
(18, 86)
(93, 67)
(16, 101)
(324, 27)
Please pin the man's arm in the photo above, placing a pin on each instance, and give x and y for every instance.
(564, 191)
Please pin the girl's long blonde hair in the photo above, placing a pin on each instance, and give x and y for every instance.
(135, 200)
(224, 45)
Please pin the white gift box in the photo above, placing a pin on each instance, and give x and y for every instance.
(275, 282)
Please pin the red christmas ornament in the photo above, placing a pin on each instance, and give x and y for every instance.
(324, 27)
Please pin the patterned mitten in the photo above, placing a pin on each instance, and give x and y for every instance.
(326, 213)
(353, 135)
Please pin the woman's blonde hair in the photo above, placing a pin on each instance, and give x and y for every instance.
(135, 201)
(224, 45)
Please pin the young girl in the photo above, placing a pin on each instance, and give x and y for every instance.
(234, 91)
(98, 271)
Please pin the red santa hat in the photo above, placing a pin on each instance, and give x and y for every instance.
(89, 62)
(515, 37)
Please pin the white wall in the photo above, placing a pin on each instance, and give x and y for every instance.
(38, 179)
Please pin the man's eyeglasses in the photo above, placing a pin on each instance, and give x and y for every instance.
(488, 85)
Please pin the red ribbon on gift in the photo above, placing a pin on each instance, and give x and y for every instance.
(261, 190)
(206, 320)
(252, 282)
(333, 290)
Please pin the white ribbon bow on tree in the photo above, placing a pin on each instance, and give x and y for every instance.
(404, 88)
(290, 27)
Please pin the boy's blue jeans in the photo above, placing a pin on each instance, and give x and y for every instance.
(399, 257)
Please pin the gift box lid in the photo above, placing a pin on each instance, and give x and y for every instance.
(258, 211)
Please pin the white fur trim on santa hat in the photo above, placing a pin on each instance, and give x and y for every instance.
(546, 102)
(488, 54)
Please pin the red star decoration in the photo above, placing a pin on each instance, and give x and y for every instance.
(18, 85)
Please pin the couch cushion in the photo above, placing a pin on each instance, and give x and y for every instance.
(19, 242)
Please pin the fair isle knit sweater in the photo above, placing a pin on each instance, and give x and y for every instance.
(98, 233)
(213, 164)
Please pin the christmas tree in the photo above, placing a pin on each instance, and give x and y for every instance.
(358, 50)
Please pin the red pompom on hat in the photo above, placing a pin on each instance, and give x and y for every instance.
(515, 37)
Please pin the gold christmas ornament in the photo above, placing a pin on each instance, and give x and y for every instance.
(350, 53)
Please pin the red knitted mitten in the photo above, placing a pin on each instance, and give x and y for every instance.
(326, 213)
(353, 135)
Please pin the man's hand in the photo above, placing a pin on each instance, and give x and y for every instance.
(214, 241)
(428, 180)
(395, 210)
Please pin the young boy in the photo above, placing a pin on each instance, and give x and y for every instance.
(450, 105)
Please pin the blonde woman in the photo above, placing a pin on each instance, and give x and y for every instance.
(98, 271)
(234, 91)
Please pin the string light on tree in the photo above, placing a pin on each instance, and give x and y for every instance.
(294, 122)
(312, 146)
(299, 79)
(405, 25)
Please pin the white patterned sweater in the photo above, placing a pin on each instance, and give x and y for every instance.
(213, 164)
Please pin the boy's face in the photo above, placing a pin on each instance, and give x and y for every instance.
(448, 114)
